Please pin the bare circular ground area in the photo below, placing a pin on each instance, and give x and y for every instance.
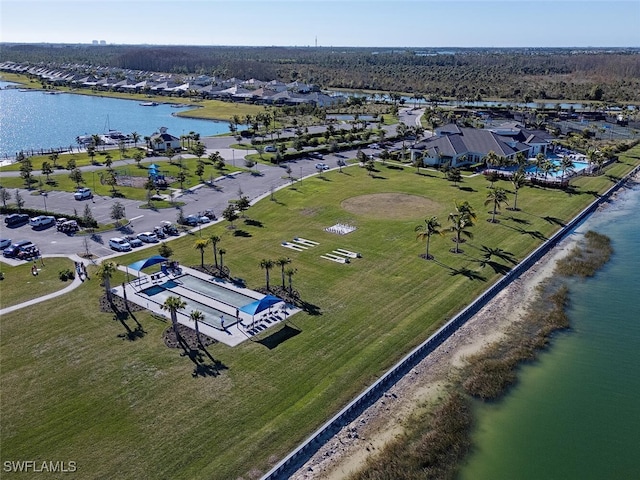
(397, 206)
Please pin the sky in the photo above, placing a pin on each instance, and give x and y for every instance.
(327, 23)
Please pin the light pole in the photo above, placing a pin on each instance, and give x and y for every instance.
(44, 197)
(300, 172)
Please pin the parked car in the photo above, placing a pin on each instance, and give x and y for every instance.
(16, 219)
(322, 166)
(210, 214)
(70, 226)
(169, 228)
(159, 231)
(42, 221)
(134, 242)
(203, 219)
(83, 194)
(13, 250)
(191, 220)
(61, 220)
(119, 244)
(148, 237)
(317, 155)
(270, 148)
(5, 243)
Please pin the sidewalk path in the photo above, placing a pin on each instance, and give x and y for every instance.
(75, 284)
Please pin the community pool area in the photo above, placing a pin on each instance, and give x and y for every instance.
(532, 170)
(232, 313)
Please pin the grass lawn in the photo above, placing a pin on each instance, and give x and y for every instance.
(60, 180)
(20, 284)
(74, 388)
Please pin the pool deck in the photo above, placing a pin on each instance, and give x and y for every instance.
(236, 331)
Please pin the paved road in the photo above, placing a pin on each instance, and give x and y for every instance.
(197, 199)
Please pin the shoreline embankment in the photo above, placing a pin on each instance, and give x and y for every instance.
(315, 443)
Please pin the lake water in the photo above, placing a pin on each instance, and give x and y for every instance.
(34, 120)
(574, 414)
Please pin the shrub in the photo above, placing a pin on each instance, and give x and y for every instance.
(66, 274)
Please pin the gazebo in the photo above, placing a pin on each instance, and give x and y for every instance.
(260, 305)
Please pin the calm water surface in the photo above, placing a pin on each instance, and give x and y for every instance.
(34, 120)
(576, 413)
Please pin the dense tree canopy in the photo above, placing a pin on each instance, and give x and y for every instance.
(465, 74)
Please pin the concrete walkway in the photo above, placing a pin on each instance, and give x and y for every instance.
(74, 284)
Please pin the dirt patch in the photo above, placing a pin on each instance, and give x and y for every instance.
(397, 206)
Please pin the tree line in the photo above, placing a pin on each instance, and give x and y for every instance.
(466, 74)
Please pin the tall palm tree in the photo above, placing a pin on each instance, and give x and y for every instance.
(172, 305)
(105, 272)
(266, 265)
(215, 239)
(497, 196)
(201, 244)
(459, 224)
(197, 316)
(540, 161)
(290, 273)
(426, 230)
(566, 165)
(492, 159)
(518, 179)
(281, 262)
(464, 208)
(135, 136)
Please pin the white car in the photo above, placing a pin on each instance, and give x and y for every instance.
(42, 221)
(203, 219)
(322, 166)
(83, 193)
(148, 237)
(5, 243)
(270, 148)
(119, 244)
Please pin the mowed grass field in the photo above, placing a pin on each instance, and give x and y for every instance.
(75, 389)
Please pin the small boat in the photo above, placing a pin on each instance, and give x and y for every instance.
(149, 104)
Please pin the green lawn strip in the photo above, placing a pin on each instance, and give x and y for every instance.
(20, 284)
(62, 182)
(152, 416)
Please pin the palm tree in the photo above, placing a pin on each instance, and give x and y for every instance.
(518, 179)
(105, 272)
(459, 224)
(267, 265)
(172, 305)
(540, 160)
(197, 316)
(430, 227)
(465, 209)
(215, 239)
(201, 244)
(290, 272)
(497, 196)
(135, 136)
(281, 262)
(566, 164)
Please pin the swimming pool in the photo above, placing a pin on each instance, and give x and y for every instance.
(216, 291)
(212, 316)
